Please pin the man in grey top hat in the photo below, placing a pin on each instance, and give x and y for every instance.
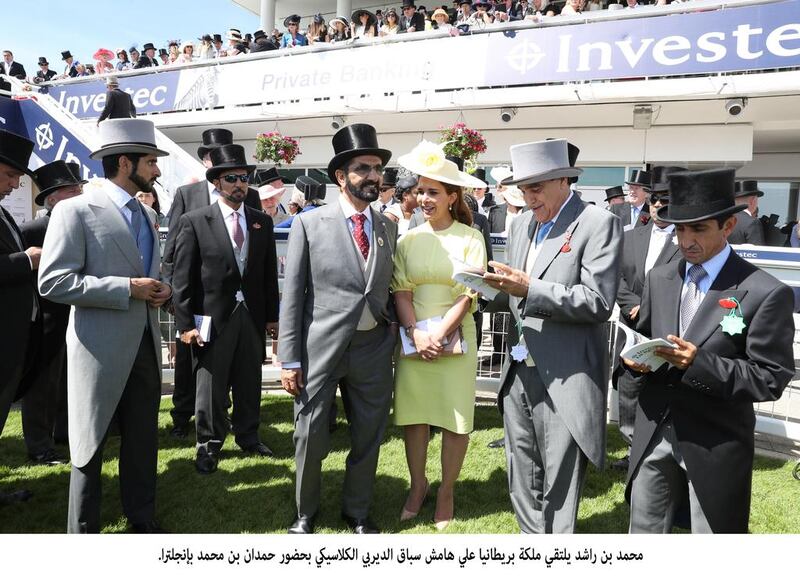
(561, 280)
(108, 270)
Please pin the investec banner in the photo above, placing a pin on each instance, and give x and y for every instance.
(735, 39)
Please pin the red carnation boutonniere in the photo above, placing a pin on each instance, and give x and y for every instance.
(256, 226)
(645, 218)
(566, 247)
(732, 323)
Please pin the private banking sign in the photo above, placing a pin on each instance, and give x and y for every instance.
(757, 37)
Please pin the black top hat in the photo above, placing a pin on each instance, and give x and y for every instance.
(148, 46)
(659, 177)
(259, 34)
(639, 178)
(311, 189)
(227, 157)
(163, 52)
(409, 3)
(356, 17)
(217, 38)
(389, 178)
(264, 176)
(406, 183)
(75, 169)
(701, 195)
(293, 19)
(614, 192)
(480, 174)
(214, 138)
(66, 54)
(43, 61)
(50, 177)
(15, 151)
(747, 188)
(355, 140)
(572, 154)
(206, 37)
(462, 2)
(458, 161)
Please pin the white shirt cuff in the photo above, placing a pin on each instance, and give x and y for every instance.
(291, 365)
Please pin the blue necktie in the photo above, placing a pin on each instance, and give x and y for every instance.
(141, 234)
(541, 232)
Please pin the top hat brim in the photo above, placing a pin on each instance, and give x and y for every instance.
(215, 171)
(122, 148)
(205, 149)
(542, 176)
(338, 161)
(615, 195)
(743, 193)
(683, 214)
(47, 191)
(642, 184)
(14, 164)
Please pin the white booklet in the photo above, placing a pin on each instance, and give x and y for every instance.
(426, 325)
(640, 349)
(203, 324)
(472, 278)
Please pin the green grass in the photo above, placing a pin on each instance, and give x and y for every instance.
(254, 495)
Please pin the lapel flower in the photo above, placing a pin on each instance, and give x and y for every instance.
(727, 303)
(644, 218)
(256, 226)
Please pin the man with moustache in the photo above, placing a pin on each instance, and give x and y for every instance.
(732, 331)
(644, 248)
(336, 327)
(635, 211)
(226, 269)
(101, 257)
(40, 405)
(187, 198)
(19, 303)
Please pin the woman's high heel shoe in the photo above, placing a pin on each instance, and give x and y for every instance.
(406, 514)
(442, 524)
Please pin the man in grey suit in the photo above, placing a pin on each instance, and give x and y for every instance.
(336, 327)
(748, 229)
(101, 256)
(561, 282)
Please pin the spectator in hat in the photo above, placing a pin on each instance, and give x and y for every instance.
(341, 29)
(174, 51)
(103, 58)
(410, 20)
(119, 104)
(293, 37)
(296, 203)
(614, 195)
(441, 20)
(187, 53)
(386, 197)
(485, 198)
(464, 13)
(48, 386)
(632, 211)
(122, 60)
(70, 65)
(262, 42)
(748, 229)
(403, 209)
(134, 55)
(308, 194)
(480, 16)
(219, 49)
(206, 49)
(503, 215)
(317, 30)
(270, 190)
(391, 25)
(148, 57)
(19, 303)
(83, 70)
(363, 24)
(44, 74)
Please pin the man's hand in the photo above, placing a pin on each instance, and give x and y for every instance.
(634, 312)
(292, 381)
(160, 296)
(35, 254)
(681, 357)
(272, 330)
(638, 367)
(144, 289)
(192, 337)
(509, 280)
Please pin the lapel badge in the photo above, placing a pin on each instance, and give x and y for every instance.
(256, 226)
(566, 247)
(380, 241)
(732, 323)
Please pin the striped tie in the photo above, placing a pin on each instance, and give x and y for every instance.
(691, 300)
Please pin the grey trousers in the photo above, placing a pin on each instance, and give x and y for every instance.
(660, 486)
(546, 467)
(365, 375)
(137, 415)
(629, 385)
(229, 362)
(40, 405)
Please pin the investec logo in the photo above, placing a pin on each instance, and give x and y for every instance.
(673, 50)
(92, 104)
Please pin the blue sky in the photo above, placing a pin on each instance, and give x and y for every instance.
(36, 28)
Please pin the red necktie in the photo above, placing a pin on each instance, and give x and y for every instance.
(238, 233)
(360, 235)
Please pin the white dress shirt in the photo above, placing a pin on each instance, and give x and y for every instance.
(534, 250)
(213, 194)
(712, 267)
(659, 237)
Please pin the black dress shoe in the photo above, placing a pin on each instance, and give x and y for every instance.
(205, 463)
(621, 464)
(258, 448)
(48, 457)
(150, 527)
(15, 497)
(496, 444)
(363, 526)
(303, 525)
(179, 431)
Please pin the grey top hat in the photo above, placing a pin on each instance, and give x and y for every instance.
(539, 161)
(120, 135)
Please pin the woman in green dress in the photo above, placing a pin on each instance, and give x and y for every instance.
(432, 387)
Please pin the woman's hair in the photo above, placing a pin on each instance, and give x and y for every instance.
(461, 211)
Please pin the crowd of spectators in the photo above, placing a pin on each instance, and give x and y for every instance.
(459, 18)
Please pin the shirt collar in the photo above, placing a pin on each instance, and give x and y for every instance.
(571, 194)
(666, 230)
(118, 195)
(349, 210)
(211, 188)
(227, 210)
(713, 265)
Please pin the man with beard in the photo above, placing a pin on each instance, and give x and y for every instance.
(336, 327)
(226, 269)
(101, 257)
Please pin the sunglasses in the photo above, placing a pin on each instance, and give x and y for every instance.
(656, 198)
(363, 170)
(231, 178)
